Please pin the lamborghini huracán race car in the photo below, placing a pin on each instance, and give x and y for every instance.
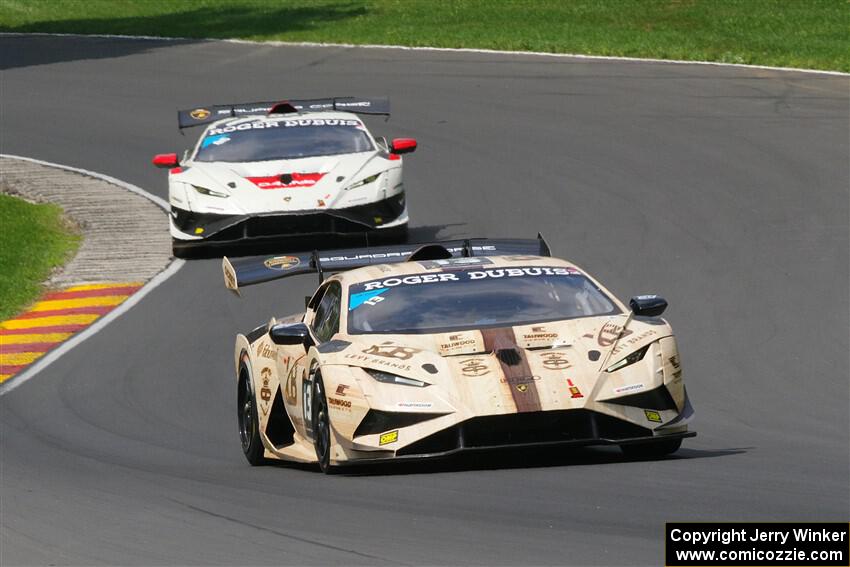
(265, 170)
(458, 346)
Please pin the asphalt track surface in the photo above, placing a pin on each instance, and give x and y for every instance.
(724, 189)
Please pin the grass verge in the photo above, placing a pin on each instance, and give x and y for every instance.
(796, 33)
(34, 239)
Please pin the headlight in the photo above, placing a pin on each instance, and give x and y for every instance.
(388, 378)
(209, 192)
(365, 181)
(631, 359)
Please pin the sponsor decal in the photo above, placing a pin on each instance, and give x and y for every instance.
(265, 391)
(282, 262)
(320, 203)
(264, 124)
(522, 387)
(610, 332)
(473, 367)
(264, 350)
(574, 391)
(287, 180)
(629, 388)
(632, 341)
(448, 263)
(674, 361)
(200, 114)
(540, 334)
(677, 376)
(593, 355)
(555, 361)
(470, 275)
(340, 390)
(229, 278)
(215, 140)
(355, 300)
(456, 343)
(389, 437)
(652, 416)
(519, 381)
(414, 405)
(390, 350)
(336, 403)
(389, 363)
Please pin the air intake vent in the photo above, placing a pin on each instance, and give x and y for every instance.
(377, 421)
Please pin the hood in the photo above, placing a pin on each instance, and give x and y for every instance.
(544, 366)
(312, 183)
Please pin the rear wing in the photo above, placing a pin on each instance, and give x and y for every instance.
(207, 114)
(242, 272)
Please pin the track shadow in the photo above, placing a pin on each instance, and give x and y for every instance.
(292, 244)
(525, 458)
(500, 459)
(263, 20)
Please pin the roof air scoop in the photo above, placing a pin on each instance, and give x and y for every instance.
(430, 252)
(283, 108)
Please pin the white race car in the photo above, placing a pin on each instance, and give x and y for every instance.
(267, 170)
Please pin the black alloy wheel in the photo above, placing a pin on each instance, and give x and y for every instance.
(249, 424)
(321, 425)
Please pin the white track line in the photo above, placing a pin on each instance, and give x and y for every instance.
(90, 331)
(438, 49)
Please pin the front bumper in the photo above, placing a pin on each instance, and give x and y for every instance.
(535, 429)
(207, 228)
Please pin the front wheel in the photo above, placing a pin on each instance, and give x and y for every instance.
(321, 425)
(249, 423)
(651, 450)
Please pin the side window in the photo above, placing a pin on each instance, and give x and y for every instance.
(326, 320)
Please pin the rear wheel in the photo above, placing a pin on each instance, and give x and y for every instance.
(249, 424)
(651, 450)
(321, 425)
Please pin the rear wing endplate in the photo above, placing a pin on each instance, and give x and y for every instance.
(241, 272)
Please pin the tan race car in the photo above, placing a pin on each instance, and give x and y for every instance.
(407, 353)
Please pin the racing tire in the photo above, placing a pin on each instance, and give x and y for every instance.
(321, 425)
(651, 450)
(249, 423)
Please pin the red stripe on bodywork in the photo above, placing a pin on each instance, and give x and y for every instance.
(119, 290)
(12, 369)
(298, 180)
(98, 310)
(37, 330)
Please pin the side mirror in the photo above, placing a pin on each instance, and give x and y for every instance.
(648, 305)
(403, 146)
(291, 334)
(165, 160)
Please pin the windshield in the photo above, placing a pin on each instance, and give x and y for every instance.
(283, 139)
(471, 299)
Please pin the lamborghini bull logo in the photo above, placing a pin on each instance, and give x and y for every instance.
(392, 351)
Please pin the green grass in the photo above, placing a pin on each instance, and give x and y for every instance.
(34, 239)
(789, 33)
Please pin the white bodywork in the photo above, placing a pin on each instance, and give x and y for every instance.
(320, 183)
